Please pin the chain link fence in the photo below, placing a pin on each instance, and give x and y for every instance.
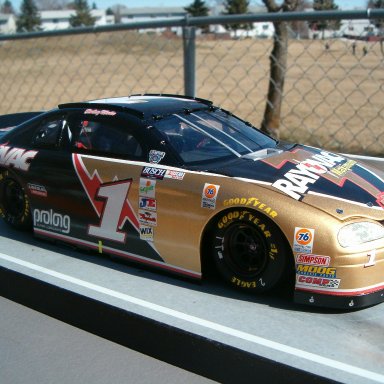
(333, 95)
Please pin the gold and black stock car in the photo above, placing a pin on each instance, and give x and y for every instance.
(172, 182)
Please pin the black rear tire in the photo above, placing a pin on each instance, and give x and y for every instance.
(14, 203)
(249, 250)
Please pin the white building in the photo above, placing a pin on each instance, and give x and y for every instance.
(7, 23)
(148, 14)
(259, 30)
(352, 29)
(53, 20)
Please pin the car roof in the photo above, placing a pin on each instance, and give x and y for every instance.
(145, 106)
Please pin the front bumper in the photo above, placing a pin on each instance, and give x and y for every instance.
(341, 301)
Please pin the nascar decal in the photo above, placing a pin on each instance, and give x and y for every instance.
(110, 201)
(310, 170)
(17, 158)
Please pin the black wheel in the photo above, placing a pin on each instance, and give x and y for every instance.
(249, 250)
(14, 203)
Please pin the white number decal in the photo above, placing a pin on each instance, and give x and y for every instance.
(113, 216)
(371, 259)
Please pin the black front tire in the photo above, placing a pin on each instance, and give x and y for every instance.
(14, 203)
(249, 250)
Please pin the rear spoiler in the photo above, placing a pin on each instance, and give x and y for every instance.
(13, 119)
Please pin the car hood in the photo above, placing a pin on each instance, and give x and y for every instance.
(334, 183)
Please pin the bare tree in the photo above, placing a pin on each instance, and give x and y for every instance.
(278, 67)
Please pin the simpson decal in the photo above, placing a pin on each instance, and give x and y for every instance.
(209, 196)
(16, 157)
(303, 240)
(309, 259)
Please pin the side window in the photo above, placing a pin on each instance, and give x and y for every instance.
(106, 138)
(48, 133)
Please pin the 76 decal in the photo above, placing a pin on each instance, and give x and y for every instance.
(303, 240)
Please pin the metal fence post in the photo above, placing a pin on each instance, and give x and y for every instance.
(189, 45)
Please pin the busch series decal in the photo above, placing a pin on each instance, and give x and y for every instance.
(17, 158)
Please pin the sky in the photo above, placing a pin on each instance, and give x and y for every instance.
(343, 4)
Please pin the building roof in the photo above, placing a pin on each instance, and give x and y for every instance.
(67, 13)
(148, 11)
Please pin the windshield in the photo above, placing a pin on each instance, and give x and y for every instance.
(204, 136)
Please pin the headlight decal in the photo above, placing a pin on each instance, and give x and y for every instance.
(359, 233)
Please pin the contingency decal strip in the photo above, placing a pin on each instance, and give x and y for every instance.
(117, 252)
(317, 359)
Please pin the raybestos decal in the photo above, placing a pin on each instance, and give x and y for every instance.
(303, 170)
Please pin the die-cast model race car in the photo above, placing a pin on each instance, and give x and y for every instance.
(173, 182)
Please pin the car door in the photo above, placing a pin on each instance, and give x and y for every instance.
(107, 158)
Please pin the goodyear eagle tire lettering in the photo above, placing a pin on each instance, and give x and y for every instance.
(14, 203)
(249, 250)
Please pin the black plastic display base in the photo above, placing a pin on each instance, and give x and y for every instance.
(189, 351)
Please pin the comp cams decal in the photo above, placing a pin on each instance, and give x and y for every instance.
(17, 158)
